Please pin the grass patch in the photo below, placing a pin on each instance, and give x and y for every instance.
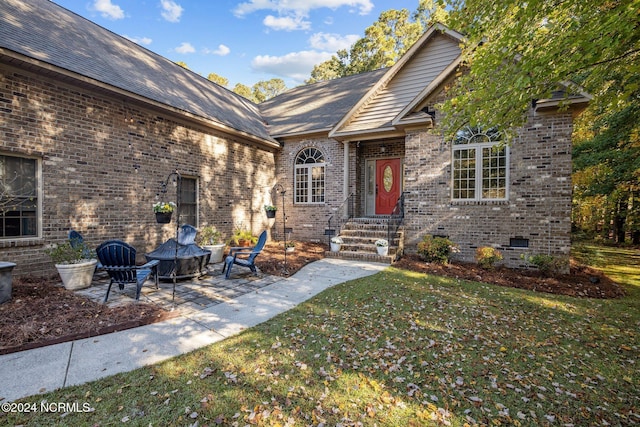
(396, 348)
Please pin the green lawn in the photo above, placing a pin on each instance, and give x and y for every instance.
(397, 349)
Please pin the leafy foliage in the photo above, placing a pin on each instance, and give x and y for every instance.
(209, 235)
(516, 52)
(547, 264)
(65, 253)
(384, 42)
(222, 81)
(264, 90)
(487, 257)
(436, 249)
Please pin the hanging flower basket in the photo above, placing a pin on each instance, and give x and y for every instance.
(271, 211)
(163, 217)
(163, 211)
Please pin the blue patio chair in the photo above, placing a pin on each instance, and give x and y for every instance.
(76, 240)
(118, 259)
(237, 256)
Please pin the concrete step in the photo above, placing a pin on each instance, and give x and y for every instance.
(361, 256)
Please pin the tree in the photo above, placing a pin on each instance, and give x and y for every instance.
(516, 52)
(264, 90)
(182, 64)
(384, 42)
(222, 81)
(243, 90)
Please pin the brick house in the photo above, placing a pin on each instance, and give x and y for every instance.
(92, 124)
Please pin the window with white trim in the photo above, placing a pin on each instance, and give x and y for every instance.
(189, 201)
(480, 165)
(309, 176)
(18, 197)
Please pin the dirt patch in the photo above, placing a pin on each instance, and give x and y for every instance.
(42, 312)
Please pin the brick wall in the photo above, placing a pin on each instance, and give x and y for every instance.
(539, 203)
(538, 207)
(310, 220)
(102, 162)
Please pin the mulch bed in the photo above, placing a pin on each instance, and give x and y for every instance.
(581, 281)
(42, 312)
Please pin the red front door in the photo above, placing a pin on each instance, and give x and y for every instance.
(387, 185)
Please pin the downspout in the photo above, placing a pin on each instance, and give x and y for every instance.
(345, 178)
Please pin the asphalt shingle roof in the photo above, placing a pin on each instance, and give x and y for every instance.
(316, 107)
(42, 30)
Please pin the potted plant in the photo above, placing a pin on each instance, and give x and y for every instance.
(242, 237)
(163, 211)
(271, 211)
(290, 246)
(336, 243)
(382, 246)
(210, 239)
(75, 264)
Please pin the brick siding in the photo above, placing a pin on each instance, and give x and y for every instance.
(102, 162)
(538, 207)
(539, 203)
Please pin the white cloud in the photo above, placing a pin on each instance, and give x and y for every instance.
(287, 23)
(300, 7)
(294, 14)
(108, 9)
(222, 50)
(294, 65)
(185, 48)
(143, 41)
(332, 42)
(171, 11)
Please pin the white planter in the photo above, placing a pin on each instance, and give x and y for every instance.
(217, 252)
(383, 250)
(335, 247)
(290, 249)
(77, 276)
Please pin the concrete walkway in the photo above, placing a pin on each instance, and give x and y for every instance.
(48, 368)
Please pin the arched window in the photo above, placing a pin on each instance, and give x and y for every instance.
(309, 176)
(480, 165)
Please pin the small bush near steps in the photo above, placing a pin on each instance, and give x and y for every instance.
(436, 249)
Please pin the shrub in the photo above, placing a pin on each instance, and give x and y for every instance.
(547, 264)
(487, 257)
(436, 249)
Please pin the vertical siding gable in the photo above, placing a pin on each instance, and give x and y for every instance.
(417, 74)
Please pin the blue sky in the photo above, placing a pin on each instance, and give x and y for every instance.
(244, 41)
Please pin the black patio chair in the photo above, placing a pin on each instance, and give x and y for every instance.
(244, 257)
(118, 259)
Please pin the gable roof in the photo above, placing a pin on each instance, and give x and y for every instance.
(316, 107)
(44, 35)
(429, 61)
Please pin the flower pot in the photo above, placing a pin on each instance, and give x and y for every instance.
(290, 249)
(6, 281)
(335, 247)
(217, 252)
(383, 250)
(163, 217)
(77, 276)
(271, 214)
